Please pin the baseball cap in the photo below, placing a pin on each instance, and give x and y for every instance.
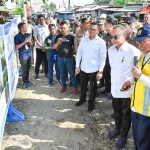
(85, 20)
(103, 16)
(77, 23)
(100, 22)
(126, 20)
(142, 33)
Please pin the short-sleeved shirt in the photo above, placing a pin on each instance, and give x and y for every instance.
(78, 37)
(25, 51)
(65, 49)
(41, 32)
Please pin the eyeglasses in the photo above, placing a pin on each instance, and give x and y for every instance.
(92, 30)
(114, 37)
(141, 42)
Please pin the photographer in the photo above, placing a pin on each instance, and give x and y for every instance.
(64, 44)
(23, 45)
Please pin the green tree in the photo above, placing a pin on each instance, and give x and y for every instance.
(100, 2)
(125, 2)
(52, 6)
(18, 11)
(44, 1)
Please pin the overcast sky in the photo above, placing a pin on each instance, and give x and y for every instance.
(73, 2)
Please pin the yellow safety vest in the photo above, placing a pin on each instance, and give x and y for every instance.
(140, 98)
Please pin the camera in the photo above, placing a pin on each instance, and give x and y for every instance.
(65, 40)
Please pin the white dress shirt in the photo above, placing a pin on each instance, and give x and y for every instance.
(92, 53)
(121, 62)
(41, 32)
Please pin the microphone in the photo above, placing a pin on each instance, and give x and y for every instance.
(136, 60)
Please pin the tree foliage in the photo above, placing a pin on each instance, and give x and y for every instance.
(117, 2)
(18, 11)
(100, 2)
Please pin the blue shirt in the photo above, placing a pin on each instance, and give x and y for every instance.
(32, 23)
(25, 51)
(53, 52)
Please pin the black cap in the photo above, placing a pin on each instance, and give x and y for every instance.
(85, 20)
(126, 20)
(110, 19)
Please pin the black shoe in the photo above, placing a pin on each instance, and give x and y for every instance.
(90, 108)
(36, 76)
(46, 75)
(113, 115)
(105, 92)
(79, 103)
(100, 85)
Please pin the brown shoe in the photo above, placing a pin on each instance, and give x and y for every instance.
(63, 89)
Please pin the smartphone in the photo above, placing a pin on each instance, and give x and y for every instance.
(125, 88)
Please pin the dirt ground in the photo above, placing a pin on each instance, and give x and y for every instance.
(52, 122)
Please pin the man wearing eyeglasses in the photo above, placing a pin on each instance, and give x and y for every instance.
(121, 58)
(140, 99)
(92, 52)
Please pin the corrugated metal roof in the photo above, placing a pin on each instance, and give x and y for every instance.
(132, 8)
(112, 9)
(98, 7)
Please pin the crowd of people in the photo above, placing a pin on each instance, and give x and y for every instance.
(114, 52)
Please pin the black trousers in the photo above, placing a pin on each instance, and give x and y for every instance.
(122, 115)
(106, 73)
(84, 78)
(25, 64)
(39, 56)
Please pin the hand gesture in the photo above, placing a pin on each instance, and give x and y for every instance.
(126, 86)
(136, 72)
(27, 40)
(59, 40)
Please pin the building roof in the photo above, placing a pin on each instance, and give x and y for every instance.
(145, 10)
(91, 7)
(132, 8)
(112, 8)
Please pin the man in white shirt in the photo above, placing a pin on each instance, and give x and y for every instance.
(121, 58)
(92, 52)
(40, 33)
(140, 99)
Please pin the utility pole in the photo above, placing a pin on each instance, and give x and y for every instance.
(68, 4)
(24, 9)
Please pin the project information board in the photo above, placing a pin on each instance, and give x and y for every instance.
(8, 69)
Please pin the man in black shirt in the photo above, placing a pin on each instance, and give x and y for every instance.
(64, 44)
